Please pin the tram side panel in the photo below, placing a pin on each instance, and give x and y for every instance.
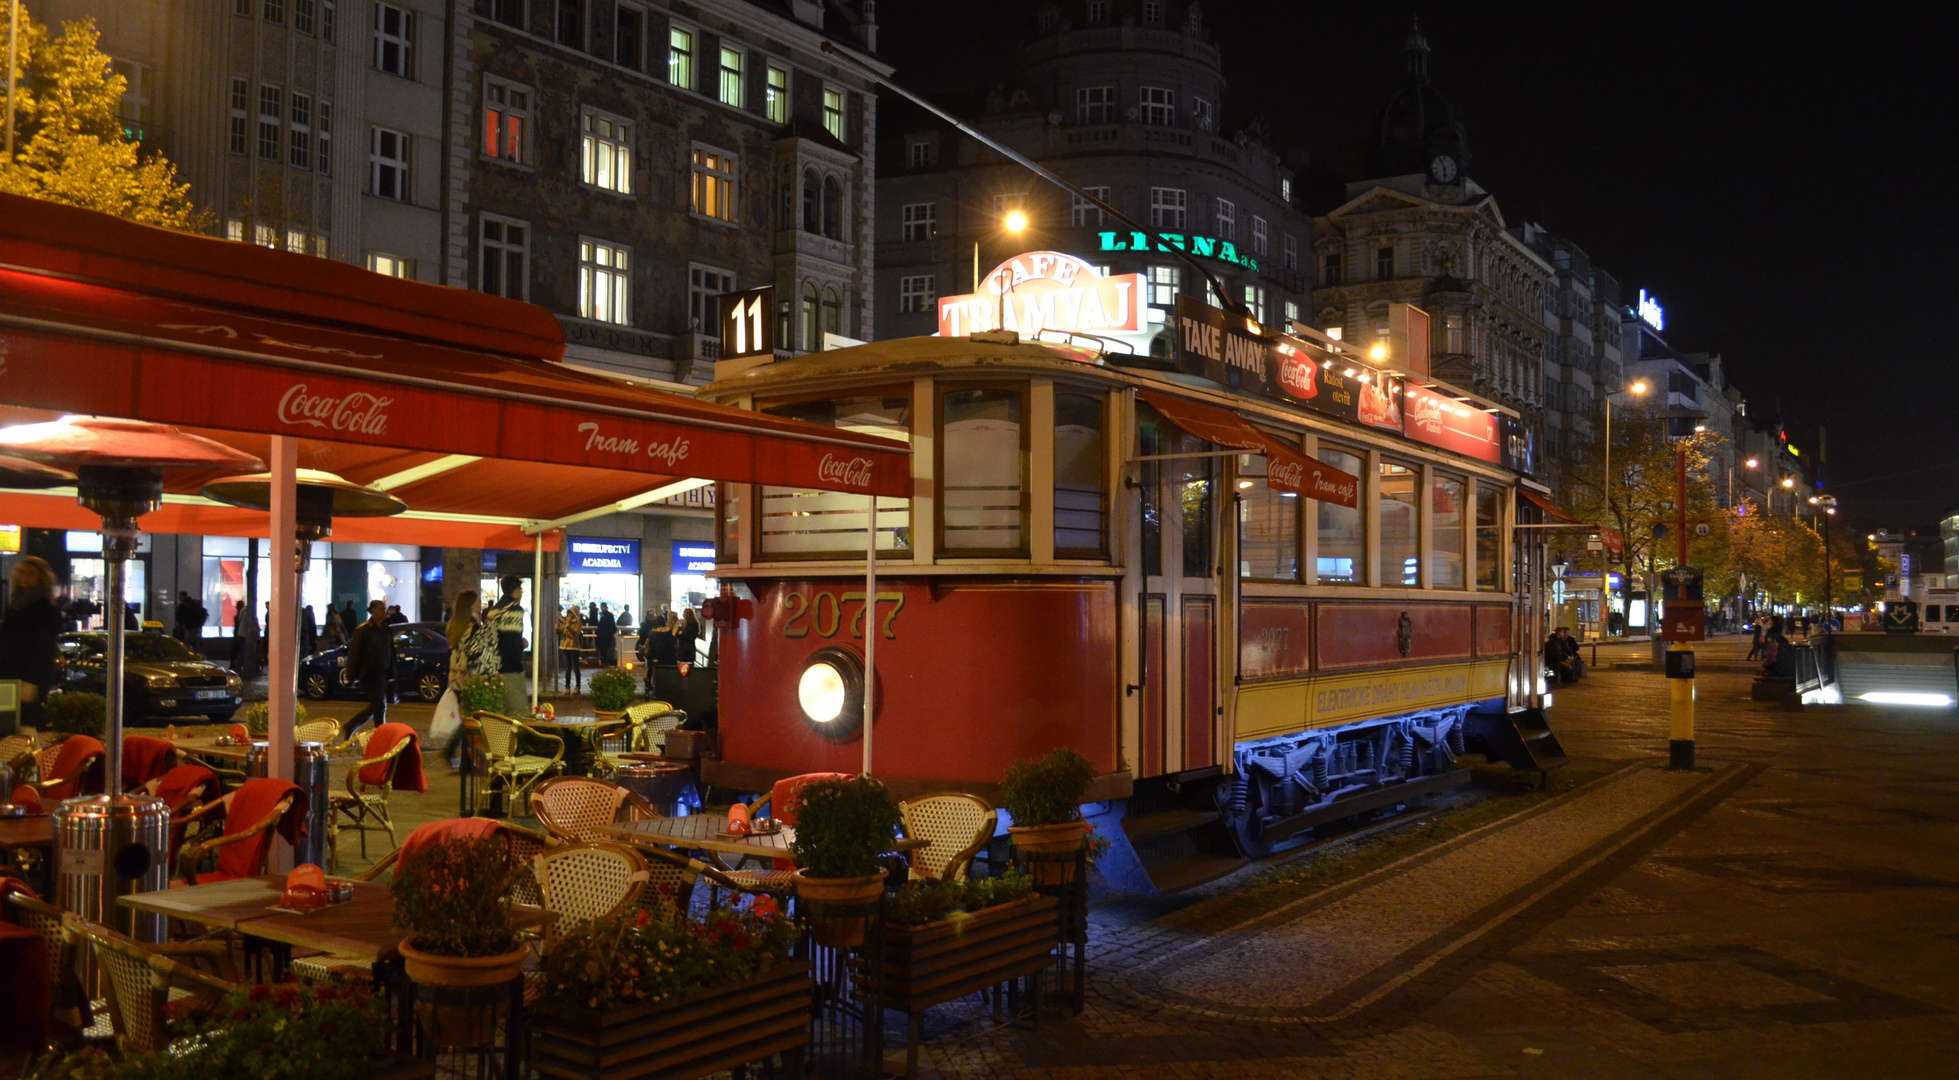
(971, 675)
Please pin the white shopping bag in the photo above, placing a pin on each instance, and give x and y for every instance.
(448, 719)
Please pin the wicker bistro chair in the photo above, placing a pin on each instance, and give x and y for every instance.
(147, 986)
(580, 883)
(254, 834)
(319, 731)
(505, 769)
(364, 808)
(44, 919)
(17, 752)
(958, 827)
(573, 807)
(84, 775)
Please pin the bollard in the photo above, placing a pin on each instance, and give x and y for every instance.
(1680, 684)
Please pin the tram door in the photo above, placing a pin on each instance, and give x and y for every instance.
(1179, 610)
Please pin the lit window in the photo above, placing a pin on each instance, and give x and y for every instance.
(1292, 313)
(1258, 236)
(608, 153)
(241, 92)
(323, 132)
(1227, 220)
(680, 58)
(1285, 189)
(833, 112)
(299, 140)
(777, 103)
(265, 235)
(133, 106)
(714, 184)
(918, 292)
(503, 260)
(1166, 208)
(1289, 252)
(731, 88)
(391, 265)
(234, 229)
(1342, 530)
(1165, 283)
(270, 98)
(602, 283)
(506, 121)
(1083, 212)
(1400, 524)
(1157, 105)
(1255, 300)
(919, 221)
(296, 241)
(704, 283)
(388, 161)
(394, 32)
(1095, 105)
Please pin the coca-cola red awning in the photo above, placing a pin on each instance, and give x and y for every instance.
(457, 400)
(1286, 469)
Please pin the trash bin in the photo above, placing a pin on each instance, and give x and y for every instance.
(107, 847)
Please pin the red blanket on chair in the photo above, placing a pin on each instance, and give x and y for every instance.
(26, 980)
(68, 762)
(408, 767)
(250, 804)
(178, 784)
(144, 759)
(451, 829)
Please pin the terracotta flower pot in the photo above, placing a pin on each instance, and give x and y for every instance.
(839, 931)
(1065, 838)
(459, 1025)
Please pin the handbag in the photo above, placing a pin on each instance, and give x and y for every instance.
(448, 719)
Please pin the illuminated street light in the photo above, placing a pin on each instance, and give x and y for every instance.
(1789, 481)
(1015, 221)
(1637, 386)
(1753, 463)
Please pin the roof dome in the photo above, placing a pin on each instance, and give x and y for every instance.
(1418, 123)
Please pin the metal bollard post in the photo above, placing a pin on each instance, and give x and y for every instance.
(1680, 684)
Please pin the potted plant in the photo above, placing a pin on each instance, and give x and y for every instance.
(843, 828)
(258, 717)
(479, 693)
(612, 692)
(1044, 799)
(642, 994)
(75, 712)
(452, 897)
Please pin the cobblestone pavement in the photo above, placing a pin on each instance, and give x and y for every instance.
(1787, 911)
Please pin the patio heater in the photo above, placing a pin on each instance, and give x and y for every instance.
(111, 845)
(319, 498)
(21, 474)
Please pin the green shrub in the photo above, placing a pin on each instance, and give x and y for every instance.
(1047, 791)
(918, 902)
(258, 716)
(479, 693)
(75, 712)
(639, 958)
(612, 689)
(453, 897)
(843, 826)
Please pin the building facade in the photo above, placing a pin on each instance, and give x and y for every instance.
(1122, 97)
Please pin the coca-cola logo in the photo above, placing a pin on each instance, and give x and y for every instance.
(850, 472)
(1286, 475)
(1298, 377)
(357, 413)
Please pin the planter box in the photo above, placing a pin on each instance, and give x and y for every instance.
(675, 1041)
(937, 962)
(406, 1069)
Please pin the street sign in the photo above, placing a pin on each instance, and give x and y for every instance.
(748, 323)
(1682, 584)
(1901, 617)
(1683, 620)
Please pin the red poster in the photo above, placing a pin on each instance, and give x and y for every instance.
(1452, 425)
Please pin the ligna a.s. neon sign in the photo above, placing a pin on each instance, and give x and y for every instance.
(1209, 247)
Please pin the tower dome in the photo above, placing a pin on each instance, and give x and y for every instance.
(1418, 124)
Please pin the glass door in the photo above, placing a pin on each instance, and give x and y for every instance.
(1179, 609)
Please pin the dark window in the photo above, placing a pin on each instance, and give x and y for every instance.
(1330, 274)
(571, 23)
(833, 208)
(1384, 263)
(812, 202)
(626, 42)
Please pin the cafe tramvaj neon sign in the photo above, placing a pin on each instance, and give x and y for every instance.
(1209, 247)
(1047, 290)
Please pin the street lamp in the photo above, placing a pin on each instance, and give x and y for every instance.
(1637, 386)
(1828, 504)
(1013, 223)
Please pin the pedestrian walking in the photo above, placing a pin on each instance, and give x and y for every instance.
(1756, 645)
(445, 729)
(334, 633)
(608, 637)
(687, 637)
(370, 662)
(309, 631)
(625, 615)
(244, 641)
(28, 632)
(507, 618)
(349, 618)
(181, 627)
(571, 649)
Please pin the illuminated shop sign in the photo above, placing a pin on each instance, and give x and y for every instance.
(1216, 345)
(693, 556)
(603, 555)
(1452, 425)
(1650, 311)
(1206, 247)
(1046, 290)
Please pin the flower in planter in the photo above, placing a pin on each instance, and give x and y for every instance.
(647, 957)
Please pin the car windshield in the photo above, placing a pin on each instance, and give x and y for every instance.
(157, 647)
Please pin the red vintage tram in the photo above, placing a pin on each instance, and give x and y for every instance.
(1259, 581)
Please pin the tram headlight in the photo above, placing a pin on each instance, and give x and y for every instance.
(830, 692)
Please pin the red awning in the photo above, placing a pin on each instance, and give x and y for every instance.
(1286, 469)
(1550, 508)
(454, 396)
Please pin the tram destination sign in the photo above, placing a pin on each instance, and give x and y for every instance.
(1216, 345)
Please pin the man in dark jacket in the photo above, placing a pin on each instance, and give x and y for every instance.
(507, 616)
(608, 637)
(370, 662)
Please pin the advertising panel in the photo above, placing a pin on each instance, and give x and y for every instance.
(1452, 425)
(1216, 345)
(693, 556)
(602, 555)
(1047, 290)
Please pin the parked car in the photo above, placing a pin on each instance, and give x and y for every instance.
(162, 677)
(421, 667)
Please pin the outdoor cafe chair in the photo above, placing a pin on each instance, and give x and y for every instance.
(148, 989)
(70, 767)
(245, 845)
(364, 808)
(506, 768)
(16, 753)
(44, 920)
(326, 732)
(573, 807)
(581, 883)
(958, 827)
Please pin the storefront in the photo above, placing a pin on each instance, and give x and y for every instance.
(89, 580)
(601, 570)
(339, 575)
(692, 559)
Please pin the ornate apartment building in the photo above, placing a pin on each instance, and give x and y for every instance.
(1582, 317)
(1122, 97)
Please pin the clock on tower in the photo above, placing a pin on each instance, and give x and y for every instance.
(1442, 169)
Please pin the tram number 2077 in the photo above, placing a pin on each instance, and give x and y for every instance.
(824, 613)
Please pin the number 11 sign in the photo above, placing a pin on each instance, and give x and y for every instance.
(748, 323)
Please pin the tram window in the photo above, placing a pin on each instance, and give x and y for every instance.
(796, 523)
(983, 472)
(1489, 538)
(1343, 535)
(1193, 484)
(1401, 558)
(1268, 531)
(1079, 511)
(727, 502)
(1445, 525)
(1150, 429)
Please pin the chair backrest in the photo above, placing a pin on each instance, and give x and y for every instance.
(136, 994)
(670, 879)
(782, 798)
(499, 735)
(583, 882)
(44, 919)
(248, 857)
(14, 748)
(44, 761)
(319, 731)
(525, 846)
(572, 807)
(958, 827)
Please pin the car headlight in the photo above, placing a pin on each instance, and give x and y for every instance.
(233, 683)
(830, 692)
(158, 682)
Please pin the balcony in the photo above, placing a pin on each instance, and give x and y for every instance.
(694, 356)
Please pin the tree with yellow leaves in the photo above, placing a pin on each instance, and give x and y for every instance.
(69, 144)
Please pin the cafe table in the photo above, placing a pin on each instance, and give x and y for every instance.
(707, 832)
(579, 731)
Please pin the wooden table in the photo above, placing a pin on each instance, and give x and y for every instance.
(222, 905)
(210, 747)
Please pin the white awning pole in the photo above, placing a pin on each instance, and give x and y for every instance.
(537, 612)
(870, 631)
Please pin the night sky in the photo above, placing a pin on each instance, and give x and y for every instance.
(1780, 176)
